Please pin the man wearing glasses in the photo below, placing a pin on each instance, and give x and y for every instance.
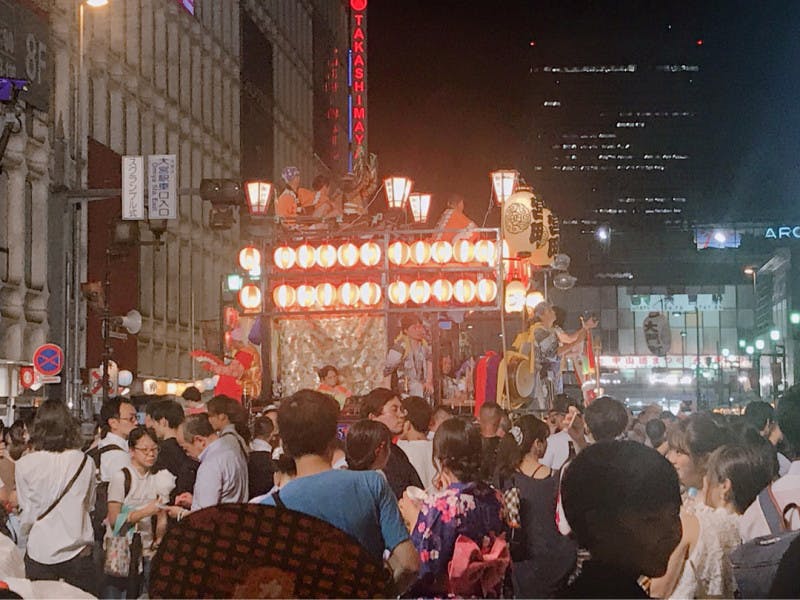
(117, 420)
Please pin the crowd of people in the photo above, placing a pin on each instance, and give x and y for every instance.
(584, 502)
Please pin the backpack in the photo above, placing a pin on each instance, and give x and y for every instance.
(755, 563)
(100, 511)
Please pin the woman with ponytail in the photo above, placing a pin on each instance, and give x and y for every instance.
(543, 558)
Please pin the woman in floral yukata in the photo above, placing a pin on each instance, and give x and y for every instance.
(465, 516)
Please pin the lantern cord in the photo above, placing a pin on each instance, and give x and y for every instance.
(488, 210)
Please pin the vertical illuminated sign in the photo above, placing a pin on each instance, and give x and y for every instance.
(357, 81)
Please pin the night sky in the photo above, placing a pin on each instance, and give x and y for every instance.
(449, 88)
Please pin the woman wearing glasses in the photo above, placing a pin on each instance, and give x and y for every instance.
(136, 497)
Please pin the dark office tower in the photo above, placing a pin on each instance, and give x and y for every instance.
(617, 117)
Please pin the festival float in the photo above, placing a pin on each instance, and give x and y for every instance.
(317, 293)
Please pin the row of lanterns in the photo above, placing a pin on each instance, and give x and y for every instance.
(369, 254)
(352, 295)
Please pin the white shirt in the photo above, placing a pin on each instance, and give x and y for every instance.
(420, 453)
(142, 492)
(786, 490)
(784, 464)
(41, 477)
(557, 450)
(259, 445)
(222, 474)
(112, 461)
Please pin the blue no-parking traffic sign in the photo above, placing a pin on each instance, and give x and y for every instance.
(48, 359)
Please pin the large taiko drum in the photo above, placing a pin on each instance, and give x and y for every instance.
(520, 381)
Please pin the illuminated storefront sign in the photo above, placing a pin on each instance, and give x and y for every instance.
(783, 232)
(357, 80)
(671, 361)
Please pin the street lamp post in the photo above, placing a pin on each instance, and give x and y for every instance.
(504, 184)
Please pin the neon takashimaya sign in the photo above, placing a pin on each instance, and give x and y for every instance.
(782, 232)
(357, 80)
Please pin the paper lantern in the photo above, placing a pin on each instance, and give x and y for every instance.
(250, 297)
(397, 191)
(485, 251)
(284, 296)
(420, 206)
(306, 256)
(370, 254)
(463, 251)
(442, 252)
(326, 294)
(399, 253)
(486, 290)
(420, 252)
(398, 292)
(348, 293)
(347, 254)
(325, 256)
(249, 258)
(419, 291)
(533, 299)
(442, 290)
(516, 293)
(370, 293)
(306, 296)
(504, 183)
(284, 257)
(464, 291)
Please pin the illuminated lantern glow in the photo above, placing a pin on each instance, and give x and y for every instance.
(306, 256)
(325, 256)
(347, 254)
(420, 252)
(463, 251)
(485, 251)
(486, 290)
(399, 253)
(509, 266)
(464, 291)
(250, 297)
(398, 292)
(249, 258)
(326, 294)
(258, 197)
(504, 183)
(420, 291)
(420, 206)
(442, 252)
(397, 191)
(348, 293)
(370, 254)
(442, 290)
(284, 296)
(515, 296)
(284, 257)
(370, 293)
(533, 299)
(306, 296)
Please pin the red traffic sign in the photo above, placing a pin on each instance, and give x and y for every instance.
(26, 377)
(48, 359)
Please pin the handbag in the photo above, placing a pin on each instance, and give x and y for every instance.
(516, 538)
(118, 555)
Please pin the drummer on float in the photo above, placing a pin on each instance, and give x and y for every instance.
(548, 344)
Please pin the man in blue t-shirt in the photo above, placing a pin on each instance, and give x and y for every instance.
(359, 503)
